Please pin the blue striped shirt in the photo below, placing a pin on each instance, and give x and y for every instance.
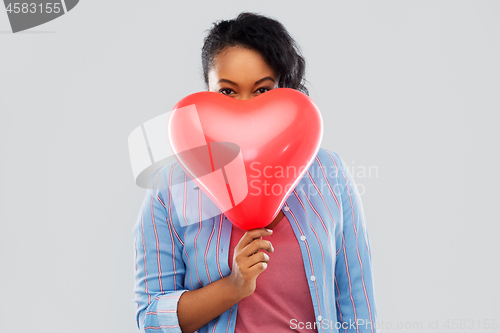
(326, 214)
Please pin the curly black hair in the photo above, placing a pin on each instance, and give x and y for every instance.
(263, 34)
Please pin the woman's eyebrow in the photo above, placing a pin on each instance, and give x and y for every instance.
(256, 82)
(264, 79)
(227, 81)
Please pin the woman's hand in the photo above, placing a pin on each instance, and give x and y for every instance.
(249, 261)
(198, 307)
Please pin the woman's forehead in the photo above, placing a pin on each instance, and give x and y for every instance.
(241, 64)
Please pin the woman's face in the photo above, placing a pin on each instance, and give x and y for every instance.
(241, 73)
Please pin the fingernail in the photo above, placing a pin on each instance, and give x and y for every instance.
(269, 230)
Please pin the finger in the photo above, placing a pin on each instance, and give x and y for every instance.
(259, 239)
(255, 246)
(247, 262)
(250, 235)
(255, 270)
(258, 257)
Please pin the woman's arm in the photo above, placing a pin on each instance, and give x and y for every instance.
(198, 307)
(354, 288)
(159, 268)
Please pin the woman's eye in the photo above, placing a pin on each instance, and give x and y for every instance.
(262, 90)
(226, 91)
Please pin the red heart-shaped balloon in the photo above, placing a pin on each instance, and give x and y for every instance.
(246, 155)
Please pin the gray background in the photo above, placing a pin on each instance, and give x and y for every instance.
(411, 88)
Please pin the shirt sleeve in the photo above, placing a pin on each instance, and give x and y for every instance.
(354, 289)
(159, 267)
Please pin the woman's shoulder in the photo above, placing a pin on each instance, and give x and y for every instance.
(165, 181)
(167, 175)
(328, 158)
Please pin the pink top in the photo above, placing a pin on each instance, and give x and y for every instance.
(282, 291)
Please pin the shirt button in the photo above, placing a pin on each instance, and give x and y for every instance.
(313, 278)
(286, 208)
(302, 238)
(319, 318)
